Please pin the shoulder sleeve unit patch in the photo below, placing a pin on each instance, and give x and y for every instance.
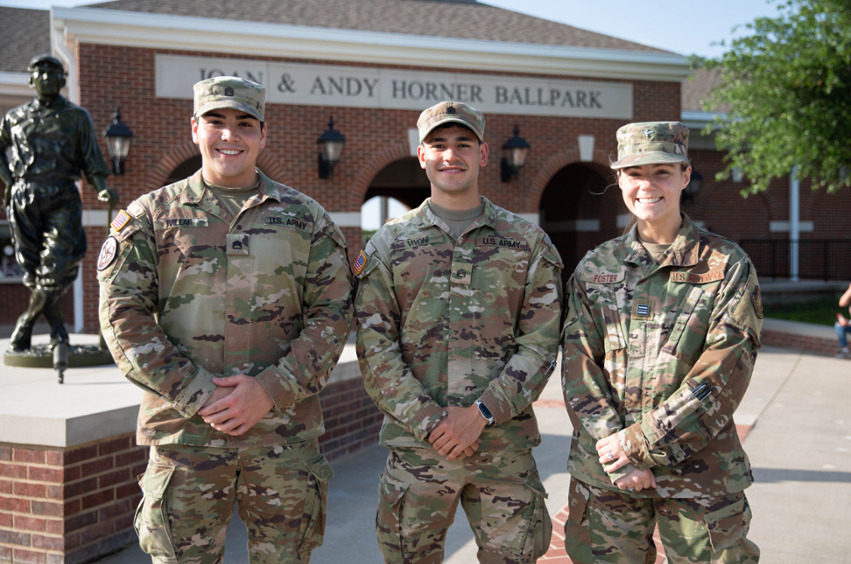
(107, 253)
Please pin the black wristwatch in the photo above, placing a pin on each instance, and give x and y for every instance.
(486, 413)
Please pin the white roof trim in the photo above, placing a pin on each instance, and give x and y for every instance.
(15, 84)
(698, 120)
(158, 31)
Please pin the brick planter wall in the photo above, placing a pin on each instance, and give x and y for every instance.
(818, 345)
(352, 421)
(73, 505)
(67, 506)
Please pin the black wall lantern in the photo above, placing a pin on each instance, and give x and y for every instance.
(118, 139)
(517, 149)
(331, 149)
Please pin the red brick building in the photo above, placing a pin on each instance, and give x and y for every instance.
(372, 65)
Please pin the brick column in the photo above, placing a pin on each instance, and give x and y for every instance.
(68, 506)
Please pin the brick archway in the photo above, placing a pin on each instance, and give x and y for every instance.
(370, 169)
(551, 168)
(179, 154)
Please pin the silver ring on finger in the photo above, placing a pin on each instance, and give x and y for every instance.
(610, 456)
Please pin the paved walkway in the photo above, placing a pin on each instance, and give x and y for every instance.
(797, 424)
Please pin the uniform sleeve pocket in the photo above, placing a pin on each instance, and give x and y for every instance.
(729, 524)
(315, 505)
(151, 521)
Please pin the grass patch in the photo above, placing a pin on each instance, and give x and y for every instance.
(821, 311)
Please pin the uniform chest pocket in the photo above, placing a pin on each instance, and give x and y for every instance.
(688, 333)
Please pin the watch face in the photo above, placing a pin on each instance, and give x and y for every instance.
(485, 412)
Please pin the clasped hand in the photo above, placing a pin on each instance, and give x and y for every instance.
(613, 457)
(457, 434)
(236, 405)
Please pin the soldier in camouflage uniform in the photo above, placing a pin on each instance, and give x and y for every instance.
(458, 311)
(227, 298)
(660, 339)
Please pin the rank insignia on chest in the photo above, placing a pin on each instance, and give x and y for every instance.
(360, 263)
(641, 309)
(122, 219)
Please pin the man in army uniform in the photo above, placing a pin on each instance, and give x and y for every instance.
(50, 141)
(458, 312)
(227, 298)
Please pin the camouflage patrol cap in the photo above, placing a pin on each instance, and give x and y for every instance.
(652, 142)
(45, 59)
(230, 92)
(447, 112)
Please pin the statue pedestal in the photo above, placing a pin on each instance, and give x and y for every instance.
(40, 356)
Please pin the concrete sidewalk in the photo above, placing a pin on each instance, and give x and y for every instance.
(798, 427)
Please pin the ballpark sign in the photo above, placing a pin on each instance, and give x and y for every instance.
(359, 87)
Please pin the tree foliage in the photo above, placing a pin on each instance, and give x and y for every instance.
(788, 89)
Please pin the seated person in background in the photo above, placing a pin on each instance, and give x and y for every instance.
(843, 325)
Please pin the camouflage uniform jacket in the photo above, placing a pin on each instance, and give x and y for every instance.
(444, 323)
(662, 354)
(194, 293)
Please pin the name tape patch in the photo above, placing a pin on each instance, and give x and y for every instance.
(606, 278)
(415, 242)
(502, 242)
(691, 278)
(286, 221)
(183, 222)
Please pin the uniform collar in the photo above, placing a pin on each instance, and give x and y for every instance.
(196, 193)
(684, 251)
(425, 217)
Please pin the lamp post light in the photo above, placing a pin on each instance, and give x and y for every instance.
(331, 149)
(517, 149)
(118, 139)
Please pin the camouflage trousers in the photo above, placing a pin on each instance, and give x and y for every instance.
(615, 527)
(500, 492)
(189, 494)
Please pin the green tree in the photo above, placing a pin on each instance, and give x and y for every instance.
(787, 88)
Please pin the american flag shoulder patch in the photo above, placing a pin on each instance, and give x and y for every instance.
(360, 263)
(122, 219)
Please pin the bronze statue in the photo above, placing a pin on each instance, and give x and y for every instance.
(45, 145)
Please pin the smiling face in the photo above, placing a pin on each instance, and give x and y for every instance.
(652, 194)
(452, 157)
(230, 141)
